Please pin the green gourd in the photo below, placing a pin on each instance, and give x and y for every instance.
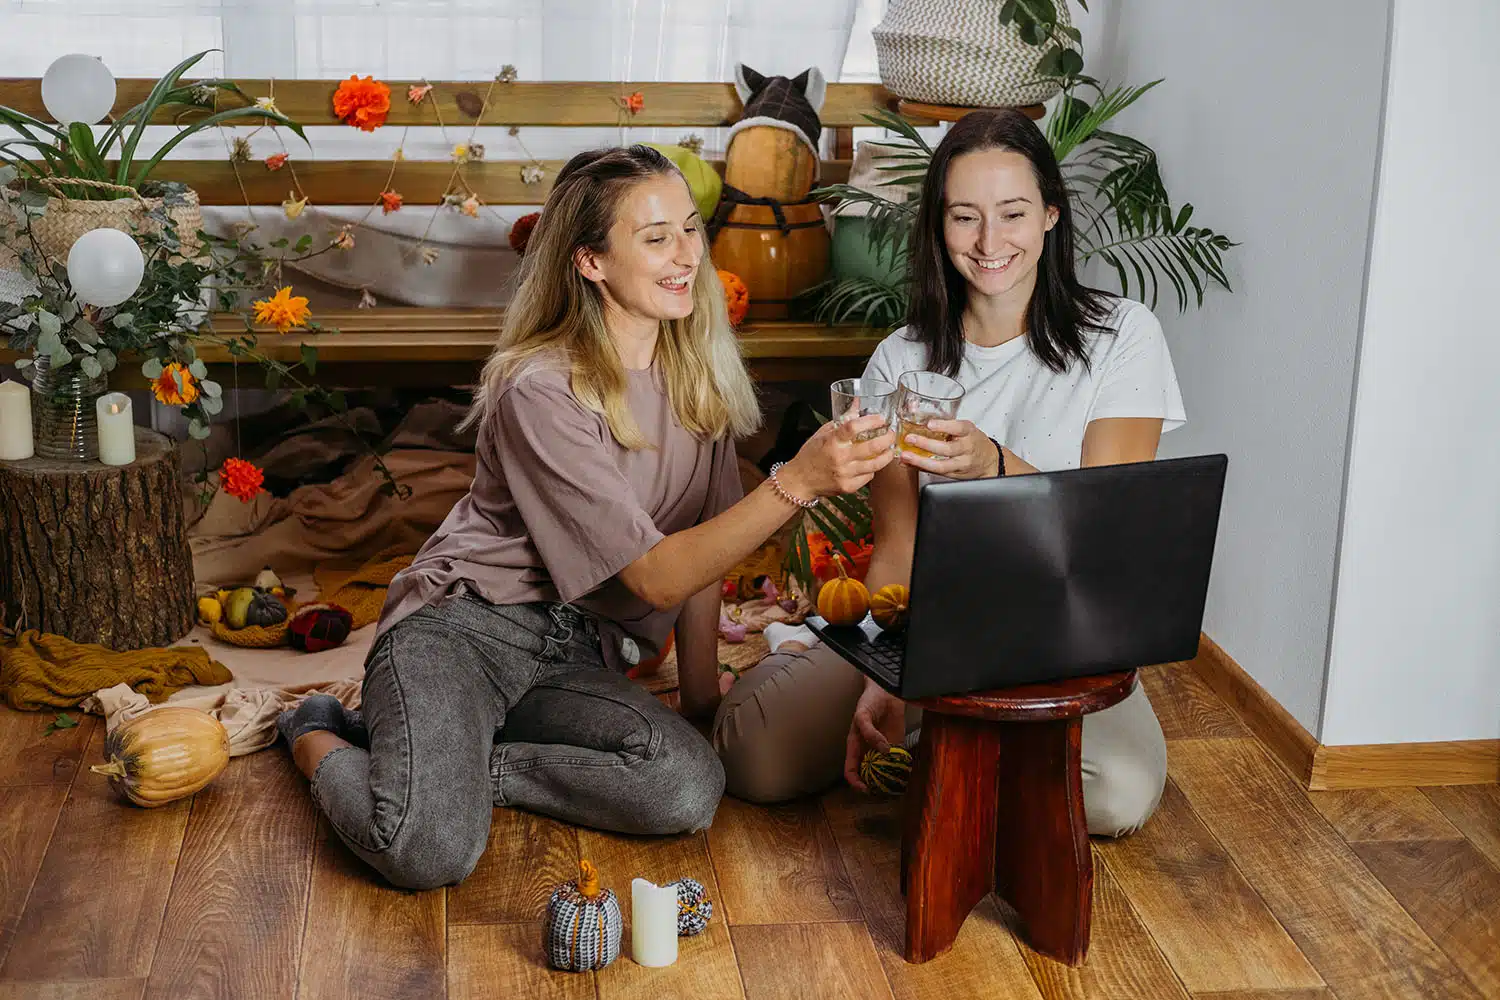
(247, 607)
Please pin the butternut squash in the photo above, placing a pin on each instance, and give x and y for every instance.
(167, 754)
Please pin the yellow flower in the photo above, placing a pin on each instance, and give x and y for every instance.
(293, 205)
(267, 104)
(283, 310)
(460, 152)
(175, 386)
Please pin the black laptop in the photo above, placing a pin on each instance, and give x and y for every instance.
(1024, 579)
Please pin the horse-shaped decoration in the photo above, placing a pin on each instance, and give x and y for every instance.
(767, 229)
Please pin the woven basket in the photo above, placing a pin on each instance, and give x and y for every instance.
(956, 52)
(66, 218)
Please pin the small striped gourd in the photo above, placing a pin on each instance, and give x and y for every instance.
(843, 600)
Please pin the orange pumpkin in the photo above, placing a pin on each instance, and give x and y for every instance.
(843, 600)
(736, 296)
(889, 606)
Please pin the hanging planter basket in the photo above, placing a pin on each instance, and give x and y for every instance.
(956, 52)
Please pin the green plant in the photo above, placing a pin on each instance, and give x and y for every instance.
(74, 152)
(168, 318)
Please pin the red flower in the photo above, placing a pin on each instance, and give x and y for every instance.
(635, 103)
(241, 479)
(855, 557)
(276, 162)
(362, 103)
(390, 202)
(520, 232)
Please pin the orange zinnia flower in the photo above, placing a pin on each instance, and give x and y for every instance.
(241, 479)
(276, 162)
(390, 202)
(175, 386)
(416, 92)
(635, 103)
(362, 103)
(283, 310)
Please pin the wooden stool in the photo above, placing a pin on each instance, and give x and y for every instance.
(996, 805)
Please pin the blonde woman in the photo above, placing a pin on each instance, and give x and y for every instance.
(606, 506)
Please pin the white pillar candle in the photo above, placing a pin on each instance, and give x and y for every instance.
(15, 422)
(653, 923)
(116, 429)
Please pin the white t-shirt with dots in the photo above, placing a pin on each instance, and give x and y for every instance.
(1040, 414)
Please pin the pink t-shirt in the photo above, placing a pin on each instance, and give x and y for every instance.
(558, 507)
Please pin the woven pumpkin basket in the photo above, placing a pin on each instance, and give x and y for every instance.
(956, 52)
(67, 218)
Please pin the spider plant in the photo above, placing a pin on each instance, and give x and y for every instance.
(1123, 213)
(41, 150)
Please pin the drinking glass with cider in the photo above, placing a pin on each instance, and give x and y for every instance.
(860, 397)
(922, 397)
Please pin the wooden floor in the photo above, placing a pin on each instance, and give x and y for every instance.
(1242, 887)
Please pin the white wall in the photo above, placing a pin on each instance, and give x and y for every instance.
(1268, 122)
(1416, 643)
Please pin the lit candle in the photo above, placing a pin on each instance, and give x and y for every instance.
(653, 923)
(15, 422)
(116, 429)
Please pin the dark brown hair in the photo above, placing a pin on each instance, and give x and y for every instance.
(1062, 309)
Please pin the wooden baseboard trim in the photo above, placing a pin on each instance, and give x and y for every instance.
(1326, 768)
(1293, 745)
(1378, 765)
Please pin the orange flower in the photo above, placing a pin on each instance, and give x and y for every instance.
(175, 386)
(283, 310)
(362, 103)
(276, 162)
(241, 479)
(635, 103)
(470, 206)
(736, 296)
(416, 92)
(855, 557)
(390, 202)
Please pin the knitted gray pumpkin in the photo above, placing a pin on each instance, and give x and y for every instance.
(583, 924)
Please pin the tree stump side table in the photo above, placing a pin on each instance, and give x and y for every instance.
(995, 804)
(98, 553)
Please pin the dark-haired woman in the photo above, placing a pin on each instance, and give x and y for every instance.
(1056, 376)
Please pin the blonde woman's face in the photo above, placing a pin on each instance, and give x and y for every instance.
(655, 247)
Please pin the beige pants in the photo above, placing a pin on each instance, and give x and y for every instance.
(781, 730)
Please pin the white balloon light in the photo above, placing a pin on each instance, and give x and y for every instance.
(78, 88)
(105, 267)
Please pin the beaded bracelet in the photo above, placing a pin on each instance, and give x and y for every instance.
(781, 491)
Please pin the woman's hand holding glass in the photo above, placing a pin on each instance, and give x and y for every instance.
(963, 452)
(833, 461)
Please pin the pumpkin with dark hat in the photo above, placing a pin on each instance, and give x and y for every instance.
(316, 627)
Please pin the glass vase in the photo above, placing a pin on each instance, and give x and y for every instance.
(63, 416)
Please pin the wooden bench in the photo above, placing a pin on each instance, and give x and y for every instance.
(441, 347)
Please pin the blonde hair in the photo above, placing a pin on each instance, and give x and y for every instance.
(557, 310)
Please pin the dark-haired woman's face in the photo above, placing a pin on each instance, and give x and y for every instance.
(994, 221)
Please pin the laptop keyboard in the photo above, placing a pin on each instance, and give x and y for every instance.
(885, 654)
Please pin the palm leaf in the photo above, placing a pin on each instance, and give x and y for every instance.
(146, 110)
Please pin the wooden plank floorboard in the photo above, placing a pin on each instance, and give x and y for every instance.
(1351, 929)
(1383, 814)
(28, 816)
(809, 961)
(527, 857)
(1213, 928)
(1123, 962)
(705, 966)
(235, 917)
(984, 960)
(29, 755)
(1186, 706)
(84, 989)
(96, 908)
(779, 865)
(1317, 994)
(1474, 810)
(490, 961)
(363, 938)
(1453, 893)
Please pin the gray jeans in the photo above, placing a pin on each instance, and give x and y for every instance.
(470, 704)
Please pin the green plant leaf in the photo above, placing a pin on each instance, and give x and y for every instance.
(152, 368)
(310, 358)
(146, 110)
(234, 114)
(63, 721)
(199, 369)
(198, 430)
(211, 388)
(91, 367)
